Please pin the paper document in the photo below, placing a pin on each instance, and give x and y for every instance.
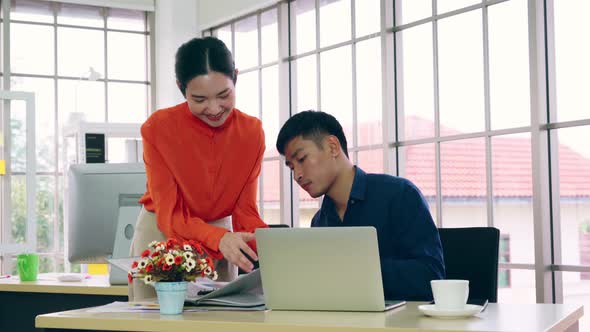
(245, 291)
(154, 307)
(123, 263)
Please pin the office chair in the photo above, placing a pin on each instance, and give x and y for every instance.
(240, 271)
(471, 253)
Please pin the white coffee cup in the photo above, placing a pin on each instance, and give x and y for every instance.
(450, 294)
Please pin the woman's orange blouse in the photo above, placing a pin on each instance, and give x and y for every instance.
(197, 173)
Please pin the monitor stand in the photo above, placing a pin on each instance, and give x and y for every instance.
(124, 234)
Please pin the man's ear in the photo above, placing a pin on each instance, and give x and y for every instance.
(236, 71)
(333, 144)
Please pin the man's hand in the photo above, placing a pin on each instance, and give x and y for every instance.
(230, 245)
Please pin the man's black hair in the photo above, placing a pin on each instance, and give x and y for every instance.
(312, 125)
(200, 56)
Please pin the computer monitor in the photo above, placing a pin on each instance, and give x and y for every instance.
(97, 196)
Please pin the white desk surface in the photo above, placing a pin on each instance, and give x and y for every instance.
(497, 317)
(48, 283)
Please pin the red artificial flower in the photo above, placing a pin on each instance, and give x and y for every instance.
(149, 267)
(178, 260)
(134, 265)
(130, 277)
(155, 254)
(167, 267)
(171, 243)
(197, 246)
(145, 253)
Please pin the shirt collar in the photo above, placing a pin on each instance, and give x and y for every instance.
(357, 192)
(359, 184)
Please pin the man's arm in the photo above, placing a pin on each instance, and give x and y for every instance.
(418, 251)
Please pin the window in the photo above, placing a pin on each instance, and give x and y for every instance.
(72, 57)
(254, 43)
(504, 257)
(444, 94)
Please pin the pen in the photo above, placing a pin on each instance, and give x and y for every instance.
(4, 277)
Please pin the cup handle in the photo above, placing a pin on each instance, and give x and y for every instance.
(21, 265)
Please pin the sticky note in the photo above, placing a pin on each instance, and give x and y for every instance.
(2, 167)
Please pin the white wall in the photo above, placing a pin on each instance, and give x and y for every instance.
(175, 23)
(215, 12)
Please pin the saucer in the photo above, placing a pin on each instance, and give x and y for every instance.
(432, 310)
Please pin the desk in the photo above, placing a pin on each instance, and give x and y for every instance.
(21, 302)
(497, 317)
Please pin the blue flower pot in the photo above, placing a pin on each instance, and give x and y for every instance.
(171, 296)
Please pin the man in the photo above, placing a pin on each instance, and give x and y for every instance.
(315, 149)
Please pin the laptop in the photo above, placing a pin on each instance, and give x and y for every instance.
(327, 268)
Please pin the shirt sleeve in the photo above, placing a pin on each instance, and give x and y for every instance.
(420, 259)
(245, 216)
(172, 214)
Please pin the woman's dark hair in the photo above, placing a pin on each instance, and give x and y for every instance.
(313, 125)
(200, 56)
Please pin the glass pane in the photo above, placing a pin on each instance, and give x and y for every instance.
(271, 190)
(335, 18)
(78, 96)
(574, 191)
(336, 87)
(270, 109)
(516, 286)
(461, 73)
(417, 164)
(18, 200)
(576, 289)
(88, 16)
(572, 68)
(116, 152)
(30, 10)
(60, 215)
(509, 65)
(79, 51)
(305, 29)
(412, 10)
(307, 88)
(51, 263)
(463, 176)
(18, 136)
(247, 91)
(416, 91)
(45, 213)
(44, 118)
(308, 206)
(127, 102)
(367, 17)
(125, 19)
(269, 36)
(444, 6)
(246, 39)
(127, 56)
(224, 34)
(368, 89)
(513, 191)
(26, 41)
(370, 161)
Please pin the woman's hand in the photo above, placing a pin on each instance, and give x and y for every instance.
(231, 246)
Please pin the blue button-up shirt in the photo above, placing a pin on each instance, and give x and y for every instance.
(409, 245)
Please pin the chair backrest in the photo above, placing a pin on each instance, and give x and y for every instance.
(472, 253)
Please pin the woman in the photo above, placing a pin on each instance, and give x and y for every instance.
(202, 161)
